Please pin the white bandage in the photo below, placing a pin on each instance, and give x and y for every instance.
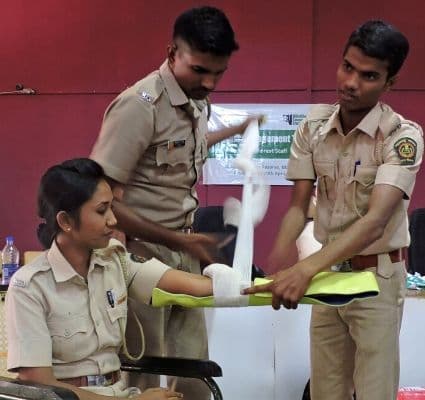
(227, 286)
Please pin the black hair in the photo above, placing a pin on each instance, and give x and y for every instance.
(381, 40)
(65, 187)
(206, 29)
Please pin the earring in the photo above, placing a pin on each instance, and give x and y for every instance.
(68, 229)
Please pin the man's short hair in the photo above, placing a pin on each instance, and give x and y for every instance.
(206, 29)
(381, 40)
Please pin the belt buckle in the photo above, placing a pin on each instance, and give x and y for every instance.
(344, 266)
(98, 380)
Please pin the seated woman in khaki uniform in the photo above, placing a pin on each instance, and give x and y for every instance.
(66, 311)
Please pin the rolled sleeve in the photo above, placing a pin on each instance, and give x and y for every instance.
(126, 132)
(300, 165)
(29, 341)
(145, 277)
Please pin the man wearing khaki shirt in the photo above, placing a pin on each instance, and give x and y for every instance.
(365, 158)
(152, 145)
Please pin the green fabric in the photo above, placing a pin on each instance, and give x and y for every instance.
(328, 288)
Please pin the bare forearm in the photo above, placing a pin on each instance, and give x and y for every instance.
(225, 133)
(362, 233)
(175, 281)
(295, 218)
(355, 239)
(52, 381)
(291, 227)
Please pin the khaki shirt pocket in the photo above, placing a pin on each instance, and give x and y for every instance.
(117, 316)
(117, 312)
(325, 171)
(362, 183)
(177, 155)
(68, 334)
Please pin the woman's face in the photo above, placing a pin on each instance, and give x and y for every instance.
(97, 220)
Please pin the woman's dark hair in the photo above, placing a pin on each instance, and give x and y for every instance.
(65, 187)
(381, 40)
(206, 29)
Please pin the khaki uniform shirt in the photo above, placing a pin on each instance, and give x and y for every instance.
(383, 149)
(56, 319)
(153, 140)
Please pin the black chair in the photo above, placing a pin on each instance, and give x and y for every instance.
(204, 370)
(416, 250)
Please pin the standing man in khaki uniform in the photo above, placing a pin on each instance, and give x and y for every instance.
(153, 143)
(365, 158)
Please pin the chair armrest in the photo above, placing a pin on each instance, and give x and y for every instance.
(173, 366)
(25, 390)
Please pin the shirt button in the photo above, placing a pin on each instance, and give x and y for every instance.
(67, 332)
(345, 154)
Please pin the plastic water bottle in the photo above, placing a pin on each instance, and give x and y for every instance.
(10, 260)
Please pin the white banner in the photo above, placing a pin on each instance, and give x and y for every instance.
(275, 141)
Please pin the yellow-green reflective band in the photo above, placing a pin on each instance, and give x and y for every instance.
(326, 288)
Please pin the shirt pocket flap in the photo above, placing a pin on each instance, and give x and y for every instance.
(119, 311)
(325, 168)
(173, 155)
(68, 327)
(365, 175)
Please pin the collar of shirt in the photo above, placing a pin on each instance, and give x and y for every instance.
(62, 269)
(176, 94)
(369, 124)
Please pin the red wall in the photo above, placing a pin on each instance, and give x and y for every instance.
(79, 54)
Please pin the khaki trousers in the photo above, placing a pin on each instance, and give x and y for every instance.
(173, 331)
(356, 347)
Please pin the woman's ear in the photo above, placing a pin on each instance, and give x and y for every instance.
(64, 221)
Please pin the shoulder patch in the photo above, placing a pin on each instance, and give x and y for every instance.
(406, 149)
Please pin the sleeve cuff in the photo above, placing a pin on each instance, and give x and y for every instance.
(397, 176)
(300, 169)
(120, 175)
(29, 353)
(146, 279)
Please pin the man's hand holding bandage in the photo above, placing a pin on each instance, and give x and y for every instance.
(287, 287)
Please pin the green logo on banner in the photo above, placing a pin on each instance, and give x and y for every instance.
(274, 144)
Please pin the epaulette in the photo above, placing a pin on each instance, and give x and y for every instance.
(23, 276)
(149, 89)
(114, 247)
(391, 121)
